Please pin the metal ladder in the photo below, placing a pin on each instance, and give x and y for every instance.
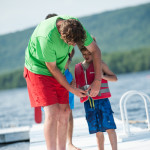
(123, 109)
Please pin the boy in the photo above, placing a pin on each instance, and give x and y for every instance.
(99, 114)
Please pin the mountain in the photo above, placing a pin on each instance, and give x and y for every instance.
(12, 49)
(118, 30)
(122, 29)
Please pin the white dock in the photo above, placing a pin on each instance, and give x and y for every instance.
(82, 139)
(14, 134)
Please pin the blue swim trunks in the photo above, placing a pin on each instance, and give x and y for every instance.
(69, 78)
(100, 116)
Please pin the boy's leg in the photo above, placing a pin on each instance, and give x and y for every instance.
(113, 138)
(62, 126)
(50, 125)
(108, 122)
(100, 140)
(70, 134)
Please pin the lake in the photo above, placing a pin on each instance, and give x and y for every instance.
(15, 107)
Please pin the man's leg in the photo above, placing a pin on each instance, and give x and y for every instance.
(62, 127)
(50, 125)
(100, 140)
(70, 133)
(113, 138)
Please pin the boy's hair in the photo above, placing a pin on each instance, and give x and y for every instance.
(83, 48)
(72, 31)
(50, 15)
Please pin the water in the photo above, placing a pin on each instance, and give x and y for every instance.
(15, 108)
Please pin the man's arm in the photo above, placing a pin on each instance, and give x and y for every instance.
(62, 80)
(96, 54)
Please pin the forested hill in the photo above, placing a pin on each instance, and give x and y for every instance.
(122, 29)
(119, 30)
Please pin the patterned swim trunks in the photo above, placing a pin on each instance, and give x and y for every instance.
(100, 116)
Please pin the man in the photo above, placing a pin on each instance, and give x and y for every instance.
(69, 78)
(45, 60)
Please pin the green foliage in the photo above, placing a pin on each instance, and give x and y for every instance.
(118, 62)
(12, 50)
(122, 35)
(12, 80)
(122, 29)
(123, 62)
(129, 61)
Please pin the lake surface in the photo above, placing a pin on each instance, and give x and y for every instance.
(15, 107)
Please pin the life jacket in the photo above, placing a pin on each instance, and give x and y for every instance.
(85, 77)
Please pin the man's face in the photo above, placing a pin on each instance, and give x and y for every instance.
(69, 42)
(87, 56)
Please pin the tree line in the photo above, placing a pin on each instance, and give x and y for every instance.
(118, 62)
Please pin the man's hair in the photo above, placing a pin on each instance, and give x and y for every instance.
(72, 31)
(50, 15)
(71, 54)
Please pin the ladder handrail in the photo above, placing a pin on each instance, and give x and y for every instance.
(123, 109)
(148, 118)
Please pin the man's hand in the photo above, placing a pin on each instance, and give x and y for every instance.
(78, 92)
(94, 88)
(73, 83)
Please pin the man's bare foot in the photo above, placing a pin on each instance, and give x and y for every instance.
(72, 147)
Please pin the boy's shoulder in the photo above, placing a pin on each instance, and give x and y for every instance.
(83, 65)
(104, 64)
(79, 64)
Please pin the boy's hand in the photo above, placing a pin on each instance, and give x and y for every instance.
(94, 88)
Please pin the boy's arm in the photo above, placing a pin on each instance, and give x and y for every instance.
(96, 54)
(107, 73)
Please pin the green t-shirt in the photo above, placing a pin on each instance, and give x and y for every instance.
(45, 45)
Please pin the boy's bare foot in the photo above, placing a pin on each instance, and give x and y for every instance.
(72, 147)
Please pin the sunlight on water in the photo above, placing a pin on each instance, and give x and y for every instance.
(16, 111)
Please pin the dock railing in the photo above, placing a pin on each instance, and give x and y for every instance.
(123, 109)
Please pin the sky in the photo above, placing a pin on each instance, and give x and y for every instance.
(16, 15)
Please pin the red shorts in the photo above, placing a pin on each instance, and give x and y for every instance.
(44, 90)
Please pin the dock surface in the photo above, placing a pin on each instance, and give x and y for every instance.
(14, 134)
(86, 141)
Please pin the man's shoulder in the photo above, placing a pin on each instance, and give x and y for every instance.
(45, 28)
(67, 17)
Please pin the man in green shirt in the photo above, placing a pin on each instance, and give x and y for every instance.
(45, 60)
